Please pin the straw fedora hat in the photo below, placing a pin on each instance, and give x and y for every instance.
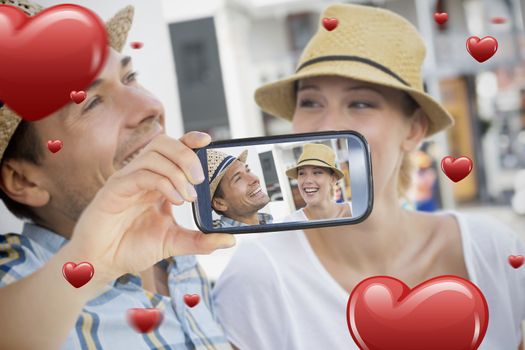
(218, 163)
(316, 154)
(368, 44)
(117, 28)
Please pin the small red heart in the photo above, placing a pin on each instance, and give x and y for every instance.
(330, 23)
(136, 44)
(440, 17)
(445, 312)
(516, 260)
(191, 299)
(62, 48)
(78, 96)
(78, 275)
(54, 145)
(498, 20)
(144, 320)
(482, 49)
(456, 168)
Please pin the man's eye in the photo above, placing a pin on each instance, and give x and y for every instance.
(92, 103)
(308, 103)
(131, 77)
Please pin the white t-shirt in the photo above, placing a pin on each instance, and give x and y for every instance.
(276, 294)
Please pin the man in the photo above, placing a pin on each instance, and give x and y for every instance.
(235, 191)
(105, 198)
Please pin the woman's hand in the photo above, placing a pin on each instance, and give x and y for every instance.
(129, 224)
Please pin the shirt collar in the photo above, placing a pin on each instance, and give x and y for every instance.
(47, 239)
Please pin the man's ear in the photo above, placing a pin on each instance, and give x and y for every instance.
(418, 124)
(16, 180)
(219, 204)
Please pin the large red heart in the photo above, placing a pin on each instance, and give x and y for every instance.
(456, 168)
(45, 57)
(144, 320)
(482, 49)
(445, 312)
(78, 275)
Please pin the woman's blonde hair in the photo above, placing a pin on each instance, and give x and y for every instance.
(408, 107)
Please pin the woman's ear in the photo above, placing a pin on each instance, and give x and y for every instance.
(418, 126)
(17, 182)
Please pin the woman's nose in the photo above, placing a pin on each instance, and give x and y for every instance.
(332, 120)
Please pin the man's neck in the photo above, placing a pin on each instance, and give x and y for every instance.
(251, 219)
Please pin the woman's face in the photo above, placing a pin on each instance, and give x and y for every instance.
(315, 184)
(335, 103)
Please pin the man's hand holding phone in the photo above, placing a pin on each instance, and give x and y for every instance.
(129, 226)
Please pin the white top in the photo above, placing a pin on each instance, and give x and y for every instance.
(276, 294)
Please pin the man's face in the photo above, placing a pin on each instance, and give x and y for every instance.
(242, 193)
(100, 135)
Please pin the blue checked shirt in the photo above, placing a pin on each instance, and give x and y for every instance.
(102, 323)
(228, 222)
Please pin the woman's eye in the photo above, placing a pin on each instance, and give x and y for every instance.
(360, 104)
(91, 104)
(308, 103)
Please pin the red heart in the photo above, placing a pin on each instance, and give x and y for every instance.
(498, 20)
(516, 260)
(456, 169)
(78, 96)
(136, 44)
(445, 312)
(46, 56)
(144, 320)
(54, 145)
(78, 275)
(191, 299)
(330, 23)
(440, 17)
(482, 49)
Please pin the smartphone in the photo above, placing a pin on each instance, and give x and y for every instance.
(285, 182)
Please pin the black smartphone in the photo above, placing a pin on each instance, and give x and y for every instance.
(284, 182)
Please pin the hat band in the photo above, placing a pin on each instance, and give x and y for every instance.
(319, 160)
(355, 59)
(225, 162)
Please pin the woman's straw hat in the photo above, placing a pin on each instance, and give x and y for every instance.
(117, 28)
(316, 154)
(368, 44)
(218, 163)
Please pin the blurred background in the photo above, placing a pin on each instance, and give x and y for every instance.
(205, 59)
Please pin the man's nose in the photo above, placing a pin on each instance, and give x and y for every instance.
(253, 179)
(138, 105)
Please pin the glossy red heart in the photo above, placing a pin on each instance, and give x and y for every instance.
(78, 96)
(144, 320)
(46, 56)
(330, 23)
(78, 275)
(191, 299)
(445, 312)
(516, 260)
(456, 168)
(54, 145)
(440, 17)
(498, 20)
(482, 49)
(136, 44)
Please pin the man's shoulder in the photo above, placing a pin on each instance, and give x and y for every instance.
(17, 257)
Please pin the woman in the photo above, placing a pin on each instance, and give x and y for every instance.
(316, 176)
(289, 290)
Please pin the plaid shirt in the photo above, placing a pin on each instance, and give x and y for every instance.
(102, 323)
(263, 219)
